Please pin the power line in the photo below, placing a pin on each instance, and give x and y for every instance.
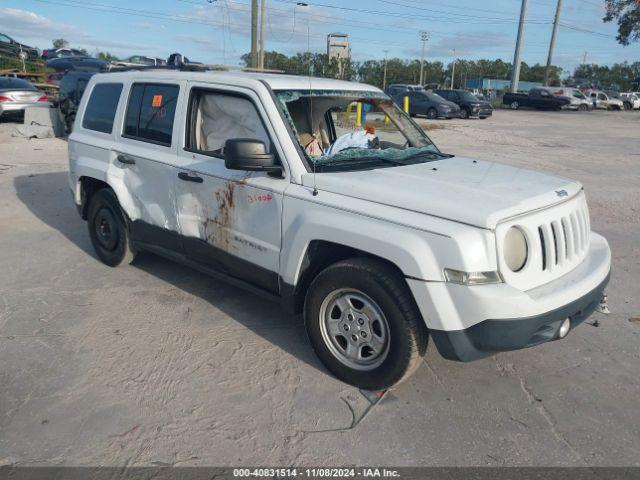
(414, 16)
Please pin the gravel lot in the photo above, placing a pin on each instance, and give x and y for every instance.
(155, 364)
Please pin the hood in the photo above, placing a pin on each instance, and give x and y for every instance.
(460, 189)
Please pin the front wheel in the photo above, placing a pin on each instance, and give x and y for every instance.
(363, 323)
(583, 108)
(432, 113)
(514, 105)
(464, 113)
(108, 230)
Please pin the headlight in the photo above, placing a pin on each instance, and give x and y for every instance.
(515, 249)
(471, 278)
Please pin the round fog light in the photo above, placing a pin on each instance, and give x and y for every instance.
(564, 328)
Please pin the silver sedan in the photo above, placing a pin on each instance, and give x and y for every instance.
(17, 94)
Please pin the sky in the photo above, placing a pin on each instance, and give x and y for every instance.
(217, 31)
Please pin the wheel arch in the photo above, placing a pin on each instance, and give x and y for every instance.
(88, 186)
(319, 255)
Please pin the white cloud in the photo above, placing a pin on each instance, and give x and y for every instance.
(36, 30)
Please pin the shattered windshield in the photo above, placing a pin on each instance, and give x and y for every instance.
(351, 130)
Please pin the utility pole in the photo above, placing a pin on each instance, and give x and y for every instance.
(584, 58)
(254, 33)
(515, 74)
(424, 36)
(263, 7)
(552, 43)
(453, 68)
(384, 75)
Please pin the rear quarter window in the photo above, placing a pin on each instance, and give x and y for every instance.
(101, 107)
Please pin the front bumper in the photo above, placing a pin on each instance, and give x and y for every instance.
(482, 112)
(449, 113)
(492, 336)
(468, 323)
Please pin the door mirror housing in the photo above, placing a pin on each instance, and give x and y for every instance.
(250, 155)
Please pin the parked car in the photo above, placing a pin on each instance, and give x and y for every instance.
(429, 104)
(72, 86)
(631, 101)
(380, 244)
(90, 64)
(470, 105)
(398, 88)
(17, 94)
(539, 98)
(603, 101)
(11, 48)
(577, 99)
(62, 52)
(136, 60)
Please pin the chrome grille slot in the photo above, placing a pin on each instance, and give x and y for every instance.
(558, 240)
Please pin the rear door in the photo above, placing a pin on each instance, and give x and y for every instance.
(230, 220)
(145, 156)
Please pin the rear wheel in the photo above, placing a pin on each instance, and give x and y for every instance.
(514, 105)
(583, 108)
(432, 113)
(108, 229)
(363, 323)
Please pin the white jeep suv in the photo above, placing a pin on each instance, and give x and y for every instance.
(326, 196)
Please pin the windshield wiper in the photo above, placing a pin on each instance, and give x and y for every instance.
(428, 152)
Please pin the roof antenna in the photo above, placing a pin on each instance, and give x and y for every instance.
(315, 185)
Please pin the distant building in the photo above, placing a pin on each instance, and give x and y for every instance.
(338, 46)
(497, 85)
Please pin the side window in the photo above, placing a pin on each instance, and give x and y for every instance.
(602, 96)
(150, 113)
(217, 117)
(101, 108)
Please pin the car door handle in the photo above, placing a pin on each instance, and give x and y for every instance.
(189, 178)
(125, 159)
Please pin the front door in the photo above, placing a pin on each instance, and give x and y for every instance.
(229, 220)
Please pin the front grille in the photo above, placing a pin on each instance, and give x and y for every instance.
(557, 241)
(564, 239)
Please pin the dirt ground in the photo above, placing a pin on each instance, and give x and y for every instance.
(155, 364)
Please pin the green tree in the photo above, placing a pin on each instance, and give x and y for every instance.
(617, 76)
(627, 14)
(106, 56)
(60, 43)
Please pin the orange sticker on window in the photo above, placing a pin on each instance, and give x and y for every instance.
(157, 101)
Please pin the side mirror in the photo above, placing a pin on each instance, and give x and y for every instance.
(249, 154)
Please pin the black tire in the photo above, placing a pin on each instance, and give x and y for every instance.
(583, 107)
(108, 230)
(483, 118)
(514, 105)
(432, 113)
(464, 113)
(407, 334)
(627, 106)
